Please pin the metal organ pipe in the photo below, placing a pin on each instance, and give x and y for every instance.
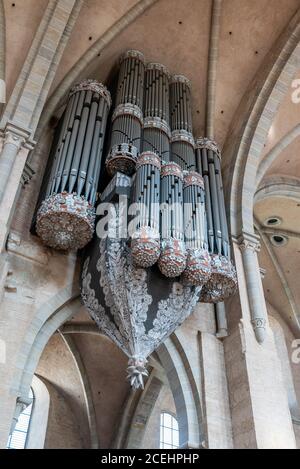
(157, 133)
(145, 242)
(223, 282)
(65, 219)
(198, 268)
(172, 261)
(128, 115)
(182, 141)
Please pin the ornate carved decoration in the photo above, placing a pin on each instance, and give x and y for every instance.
(192, 178)
(208, 144)
(145, 247)
(223, 280)
(198, 267)
(181, 79)
(136, 54)
(171, 169)
(122, 158)
(157, 123)
(158, 66)
(172, 261)
(95, 86)
(183, 136)
(249, 241)
(129, 110)
(65, 221)
(135, 317)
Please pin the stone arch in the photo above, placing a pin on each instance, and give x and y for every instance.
(278, 186)
(77, 71)
(280, 146)
(2, 55)
(86, 386)
(242, 155)
(143, 411)
(187, 404)
(39, 418)
(244, 146)
(48, 318)
(180, 378)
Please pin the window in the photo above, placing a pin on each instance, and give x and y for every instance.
(169, 433)
(17, 440)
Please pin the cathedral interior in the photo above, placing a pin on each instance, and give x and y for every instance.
(150, 339)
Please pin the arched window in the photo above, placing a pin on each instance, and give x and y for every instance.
(17, 440)
(169, 433)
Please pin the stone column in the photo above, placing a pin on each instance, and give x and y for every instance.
(16, 145)
(222, 326)
(258, 400)
(14, 139)
(21, 405)
(18, 126)
(26, 103)
(250, 246)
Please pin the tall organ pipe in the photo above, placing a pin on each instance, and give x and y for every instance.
(128, 115)
(145, 243)
(157, 133)
(223, 282)
(198, 269)
(65, 219)
(182, 142)
(172, 261)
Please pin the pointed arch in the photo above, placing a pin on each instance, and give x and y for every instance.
(2, 56)
(245, 142)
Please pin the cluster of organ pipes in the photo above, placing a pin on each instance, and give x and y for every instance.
(66, 217)
(177, 183)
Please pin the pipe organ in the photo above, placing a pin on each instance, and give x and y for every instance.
(66, 217)
(172, 261)
(128, 115)
(179, 249)
(145, 242)
(157, 132)
(198, 268)
(222, 281)
(182, 142)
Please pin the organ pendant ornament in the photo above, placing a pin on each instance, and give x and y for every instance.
(123, 301)
(141, 283)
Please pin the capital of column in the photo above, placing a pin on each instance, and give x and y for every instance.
(248, 241)
(24, 401)
(21, 404)
(263, 273)
(259, 326)
(17, 136)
